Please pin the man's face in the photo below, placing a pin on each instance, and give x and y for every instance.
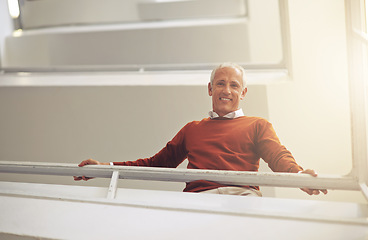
(226, 90)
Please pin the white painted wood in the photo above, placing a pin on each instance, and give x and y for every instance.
(184, 175)
(358, 85)
(362, 35)
(162, 10)
(163, 47)
(134, 78)
(337, 212)
(364, 189)
(36, 14)
(113, 185)
(116, 38)
(285, 36)
(86, 215)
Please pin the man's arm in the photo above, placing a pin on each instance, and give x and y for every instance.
(278, 157)
(171, 156)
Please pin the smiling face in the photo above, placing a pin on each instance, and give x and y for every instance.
(226, 90)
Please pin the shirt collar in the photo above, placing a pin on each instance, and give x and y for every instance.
(231, 115)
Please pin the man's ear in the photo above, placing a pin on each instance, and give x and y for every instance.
(209, 89)
(243, 93)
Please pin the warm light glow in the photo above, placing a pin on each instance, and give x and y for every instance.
(13, 8)
(17, 33)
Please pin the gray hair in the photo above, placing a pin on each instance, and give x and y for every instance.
(230, 65)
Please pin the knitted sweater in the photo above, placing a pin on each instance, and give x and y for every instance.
(223, 144)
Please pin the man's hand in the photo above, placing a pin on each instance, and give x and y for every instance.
(88, 162)
(312, 191)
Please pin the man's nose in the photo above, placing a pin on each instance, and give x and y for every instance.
(227, 89)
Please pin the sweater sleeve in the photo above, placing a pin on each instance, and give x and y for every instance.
(170, 156)
(269, 148)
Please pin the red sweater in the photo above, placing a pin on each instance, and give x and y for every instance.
(223, 144)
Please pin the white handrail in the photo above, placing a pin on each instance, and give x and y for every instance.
(185, 175)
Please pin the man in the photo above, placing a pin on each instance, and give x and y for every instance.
(227, 140)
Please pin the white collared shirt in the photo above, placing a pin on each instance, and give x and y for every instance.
(231, 115)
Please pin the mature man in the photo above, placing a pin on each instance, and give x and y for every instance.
(227, 140)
